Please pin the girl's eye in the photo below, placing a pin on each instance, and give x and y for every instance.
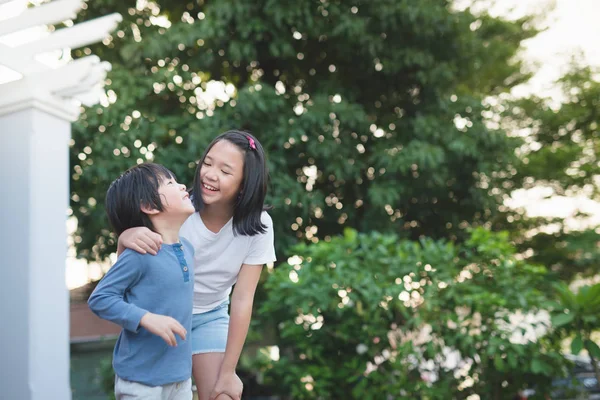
(225, 172)
(205, 163)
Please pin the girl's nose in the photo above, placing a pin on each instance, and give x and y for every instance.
(210, 175)
(182, 187)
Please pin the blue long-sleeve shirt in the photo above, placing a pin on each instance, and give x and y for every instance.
(141, 283)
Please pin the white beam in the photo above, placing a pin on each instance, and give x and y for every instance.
(49, 13)
(94, 76)
(10, 57)
(72, 80)
(91, 97)
(73, 74)
(23, 94)
(76, 36)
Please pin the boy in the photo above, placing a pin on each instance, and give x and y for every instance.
(150, 297)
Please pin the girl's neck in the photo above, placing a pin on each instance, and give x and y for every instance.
(216, 215)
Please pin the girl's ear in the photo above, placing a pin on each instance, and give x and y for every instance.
(148, 210)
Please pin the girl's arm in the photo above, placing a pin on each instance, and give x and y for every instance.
(140, 239)
(239, 321)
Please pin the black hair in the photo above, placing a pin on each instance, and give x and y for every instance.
(136, 187)
(250, 201)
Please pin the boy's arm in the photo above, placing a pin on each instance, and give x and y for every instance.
(107, 300)
(108, 303)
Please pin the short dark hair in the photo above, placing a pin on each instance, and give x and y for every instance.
(135, 187)
(251, 201)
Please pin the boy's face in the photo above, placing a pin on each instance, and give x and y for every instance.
(175, 199)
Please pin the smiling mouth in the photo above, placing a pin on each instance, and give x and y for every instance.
(208, 187)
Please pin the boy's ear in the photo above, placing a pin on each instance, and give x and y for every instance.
(146, 209)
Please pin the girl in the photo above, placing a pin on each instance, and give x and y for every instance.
(233, 239)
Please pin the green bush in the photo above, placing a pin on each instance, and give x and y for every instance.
(107, 377)
(577, 314)
(370, 316)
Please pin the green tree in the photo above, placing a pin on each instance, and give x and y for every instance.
(561, 153)
(370, 111)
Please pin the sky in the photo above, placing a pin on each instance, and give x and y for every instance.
(572, 28)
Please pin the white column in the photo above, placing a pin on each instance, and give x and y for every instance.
(36, 112)
(34, 302)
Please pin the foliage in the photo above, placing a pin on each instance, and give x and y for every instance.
(561, 154)
(370, 111)
(370, 316)
(579, 315)
(107, 377)
(560, 134)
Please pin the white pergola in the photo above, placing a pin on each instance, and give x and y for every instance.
(36, 112)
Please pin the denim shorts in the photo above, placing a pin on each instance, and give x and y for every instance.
(209, 330)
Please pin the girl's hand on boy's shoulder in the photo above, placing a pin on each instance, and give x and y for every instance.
(141, 239)
(228, 384)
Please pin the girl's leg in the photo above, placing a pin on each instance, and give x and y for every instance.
(205, 369)
(209, 339)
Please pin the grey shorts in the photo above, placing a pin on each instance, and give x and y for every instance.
(128, 390)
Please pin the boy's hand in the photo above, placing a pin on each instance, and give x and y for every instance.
(140, 239)
(165, 327)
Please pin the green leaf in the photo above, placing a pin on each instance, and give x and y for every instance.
(576, 345)
(350, 235)
(498, 362)
(591, 319)
(593, 349)
(536, 366)
(559, 320)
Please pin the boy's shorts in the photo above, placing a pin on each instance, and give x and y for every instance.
(129, 390)
(209, 330)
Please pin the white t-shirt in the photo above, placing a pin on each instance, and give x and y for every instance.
(219, 257)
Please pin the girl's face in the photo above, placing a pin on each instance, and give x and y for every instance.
(222, 173)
